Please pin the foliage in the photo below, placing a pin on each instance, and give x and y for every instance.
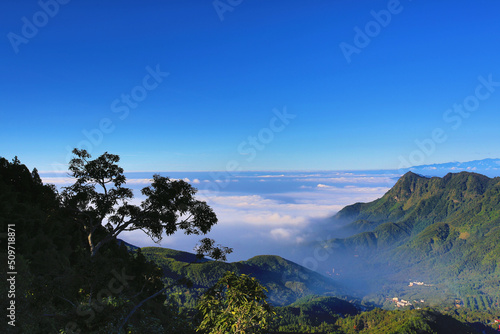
(235, 304)
(60, 286)
(102, 205)
(312, 314)
(392, 322)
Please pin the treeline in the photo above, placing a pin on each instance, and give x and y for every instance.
(378, 321)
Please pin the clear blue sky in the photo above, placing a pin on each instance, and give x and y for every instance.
(74, 72)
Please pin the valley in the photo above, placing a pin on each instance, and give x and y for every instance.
(433, 229)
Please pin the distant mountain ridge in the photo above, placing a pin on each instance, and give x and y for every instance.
(489, 167)
(443, 228)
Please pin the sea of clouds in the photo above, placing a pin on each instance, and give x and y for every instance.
(277, 213)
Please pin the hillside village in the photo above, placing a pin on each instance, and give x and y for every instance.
(419, 284)
(400, 302)
(405, 303)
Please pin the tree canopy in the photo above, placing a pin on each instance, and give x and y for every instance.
(235, 304)
(102, 204)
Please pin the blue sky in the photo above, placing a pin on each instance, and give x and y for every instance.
(233, 79)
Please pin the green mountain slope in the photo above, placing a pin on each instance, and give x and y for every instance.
(446, 230)
(316, 314)
(413, 321)
(285, 280)
(311, 314)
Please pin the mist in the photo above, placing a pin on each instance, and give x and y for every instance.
(288, 214)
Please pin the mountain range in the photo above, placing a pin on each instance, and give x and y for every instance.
(489, 167)
(443, 230)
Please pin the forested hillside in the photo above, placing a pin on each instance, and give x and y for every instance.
(444, 231)
(68, 273)
(59, 288)
(286, 281)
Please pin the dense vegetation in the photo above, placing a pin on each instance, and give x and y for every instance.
(318, 314)
(284, 280)
(441, 230)
(393, 322)
(60, 288)
(235, 304)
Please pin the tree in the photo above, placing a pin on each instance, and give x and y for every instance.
(102, 205)
(235, 304)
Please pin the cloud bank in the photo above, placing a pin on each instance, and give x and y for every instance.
(264, 213)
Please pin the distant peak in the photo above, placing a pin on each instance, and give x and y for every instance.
(413, 174)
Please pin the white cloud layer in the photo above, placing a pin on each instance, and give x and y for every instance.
(287, 211)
